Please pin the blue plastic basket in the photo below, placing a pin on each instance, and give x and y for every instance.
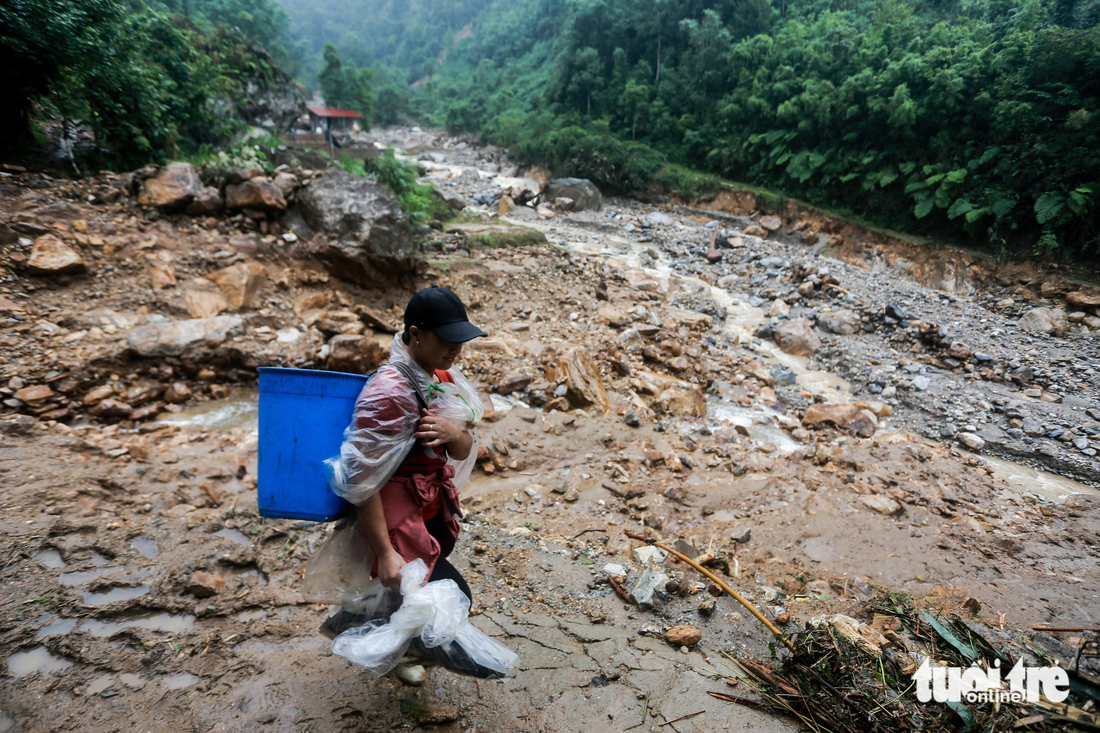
(303, 414)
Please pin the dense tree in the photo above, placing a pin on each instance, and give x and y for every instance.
(345, 85)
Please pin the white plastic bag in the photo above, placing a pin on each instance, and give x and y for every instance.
(382, 431)
(437, 612)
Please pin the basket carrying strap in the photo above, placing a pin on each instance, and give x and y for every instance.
(411, 377)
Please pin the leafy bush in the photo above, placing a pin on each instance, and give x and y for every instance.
(419, 200)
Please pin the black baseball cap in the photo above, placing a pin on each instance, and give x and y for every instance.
(440, 311)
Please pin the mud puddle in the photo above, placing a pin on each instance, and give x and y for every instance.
(114, 595)
(49, 557)
(37, 660)
(164, 622)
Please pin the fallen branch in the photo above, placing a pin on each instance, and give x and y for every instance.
(740, 599)
(586, 531)
(674, 720)
(617, 586)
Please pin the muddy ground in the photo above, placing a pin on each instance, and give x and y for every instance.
(142, 591)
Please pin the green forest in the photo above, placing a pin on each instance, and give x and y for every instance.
(969, 120)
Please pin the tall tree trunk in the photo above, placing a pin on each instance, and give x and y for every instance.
(658, 79)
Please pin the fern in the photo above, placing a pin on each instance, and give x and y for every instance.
(1002, 207)
(1048, 206)
(924, 206)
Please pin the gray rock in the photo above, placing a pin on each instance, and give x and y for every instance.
(175, 338)
(881, 504)
(649, 555)
(656, 218)
(16, 424)
(612, 569)
(1044, 320)
(365, 233)
(585, 195)
(921, 382)
(645, 589)
(971, 441)
(842, 322)
(741, 535)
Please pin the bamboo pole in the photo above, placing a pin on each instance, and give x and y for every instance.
(740, 599)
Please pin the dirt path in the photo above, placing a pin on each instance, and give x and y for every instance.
(142, 591)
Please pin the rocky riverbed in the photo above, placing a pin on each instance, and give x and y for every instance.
(815, 408)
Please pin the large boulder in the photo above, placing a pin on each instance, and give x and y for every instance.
(577, 369)
(51, 256)
(1044, 320)
(585, 195)
(355, 354)
(365, 234)
(852, 418)
(172, 188)
(797, 337)
(241, 284)
(175, 338)
(258, 194)
(841, 322)
(208, 202)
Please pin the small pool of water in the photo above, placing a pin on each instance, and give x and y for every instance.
(114, 595)
(180, 681)
(6, 723)
(37, 660)
(100, 683)
(145, 547)
(233, 536)
(57, 628)
(49, 557)
(98, 560)
(166, 622)
(239, 410)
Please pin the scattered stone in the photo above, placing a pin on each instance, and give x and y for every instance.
(97, 395)
(683, 636)
(172, 188)
(35, 395)
(971, 441)
(842, 322)
(646, 588)
(585, 195)
(921, 382)
(162, 277)
(112, 410)
(797, 337)
(771, 224)
(241, 284)
(256, 194)
(177, 393)
(755, 230)
(583, 383)
(1078, 299)
(51, 256)
(208, 202)
(204, 585)
(631, 419)
(614, 569)
(708, 606)
(1044, 320)
(355, 354)
(512, 382)
(844, 416)
(741, 535)
(17, 424)
(657, 218)
(175, 338)
(649, 555)
(880, 409)
(895, 312)
(881, 504)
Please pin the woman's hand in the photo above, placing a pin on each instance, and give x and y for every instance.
(389, 569)
(435, 431)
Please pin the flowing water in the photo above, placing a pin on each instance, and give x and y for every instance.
(241, 409)
(1047, 485)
